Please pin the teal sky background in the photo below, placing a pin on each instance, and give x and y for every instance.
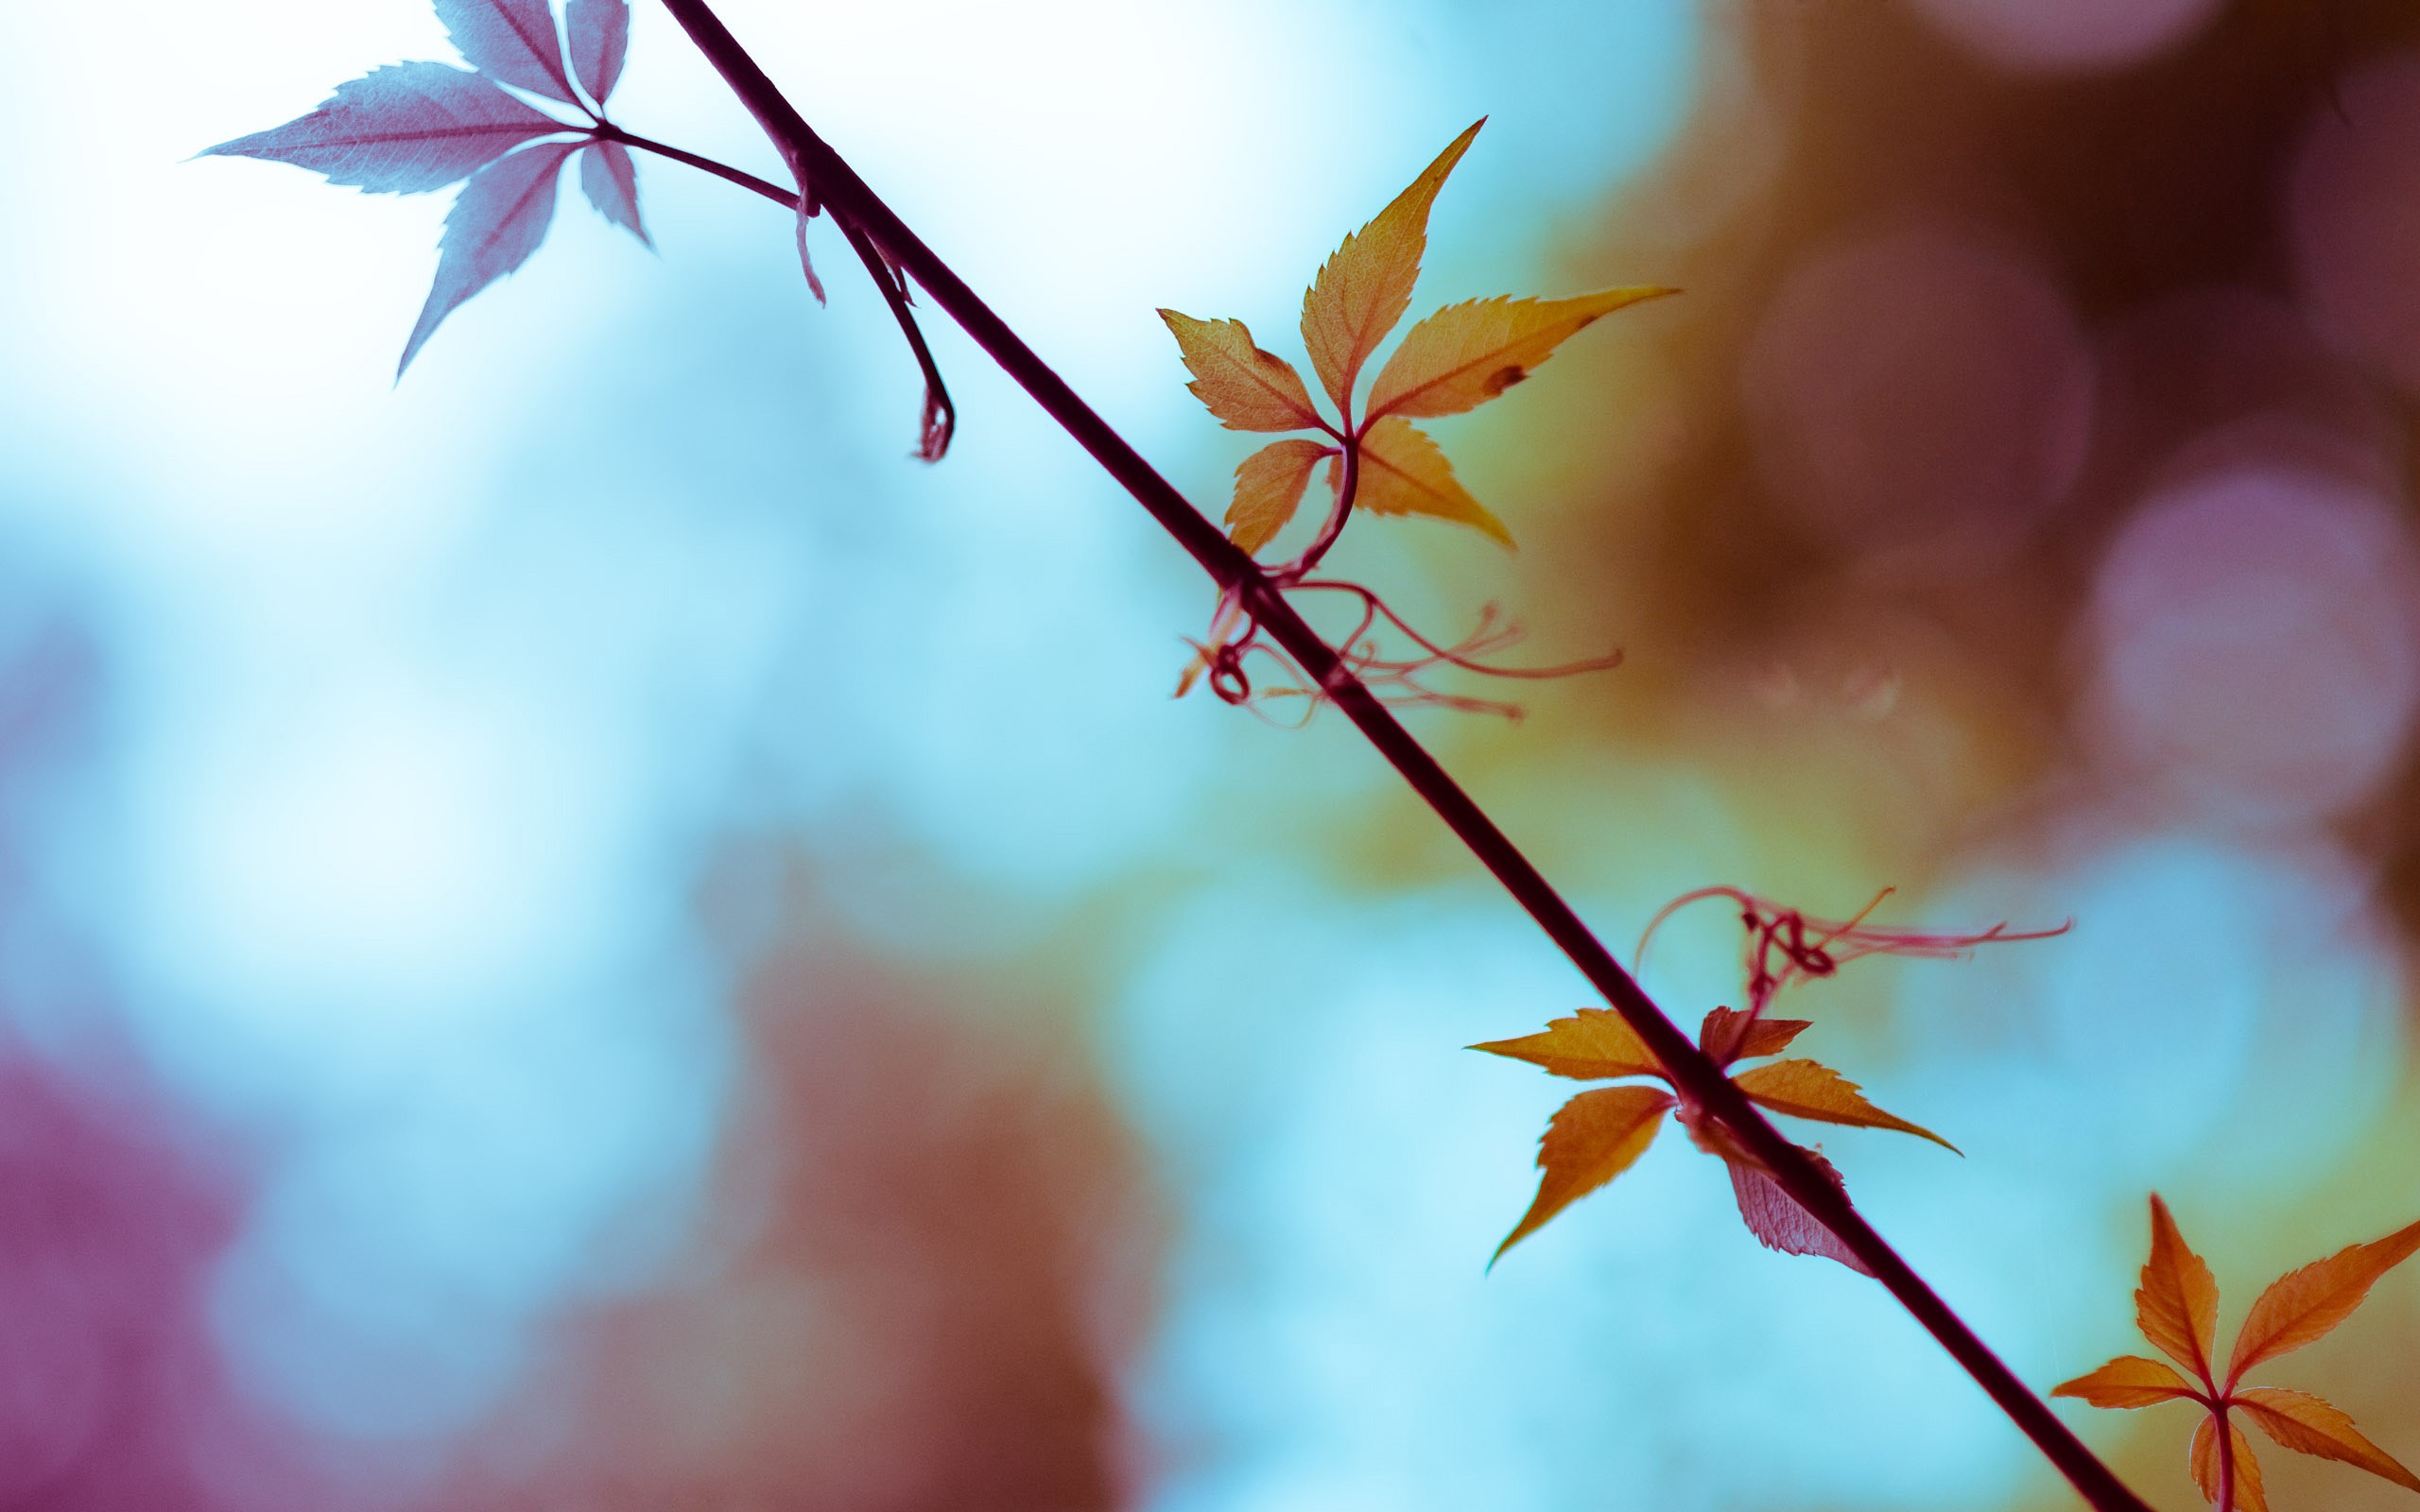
(440, 764)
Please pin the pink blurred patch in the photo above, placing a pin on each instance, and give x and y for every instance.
(923, 1272)
(1918, 384)
(2354, 217)
(2254, 632)
(2067, 36)
(111, 1395)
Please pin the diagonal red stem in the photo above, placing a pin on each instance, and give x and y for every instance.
(839, 189)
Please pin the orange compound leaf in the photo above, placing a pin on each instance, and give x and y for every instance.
(2304, 1304)
(1809, 1088)
(1466, 354)
(2129, 1381)
(1404, 472)
(1364, 289)
(2248, 1496)
(1248, 388)
(1591, 1140)
(1730, 1034)
(1269, 489)
(2177, 1306)
(1595, 1046)
(2309, 1425)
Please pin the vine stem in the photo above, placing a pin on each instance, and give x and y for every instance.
(2226, 1461)
(893, 293)
(848, 197)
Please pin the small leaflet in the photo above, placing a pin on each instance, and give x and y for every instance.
(1591, 1140)
(2304, 1304)
(1809, 1088)
(1269, 489)
(600, 43)
(499, 221)
(1728, 1034)
(1362, 291)
(611, 180)
(2130, 1381)
(1592, 1046)
(2177, 1305)
(513, 42)
(1465, 355)
(1780, 1223)
(402, 129)
(1403, 472)
(1248, 388)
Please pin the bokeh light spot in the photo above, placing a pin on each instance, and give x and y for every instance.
(2254, 631)
(1917, 382)
(2067, 36)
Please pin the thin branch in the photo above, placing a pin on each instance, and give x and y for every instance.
(608, 131)
(849, 197)
(941, 416)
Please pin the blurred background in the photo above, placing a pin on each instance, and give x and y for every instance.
(580, 933)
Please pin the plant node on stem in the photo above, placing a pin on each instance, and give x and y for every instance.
(1393, 678)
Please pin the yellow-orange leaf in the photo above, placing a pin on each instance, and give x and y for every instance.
(1809, 1088)
(1592, 1139)
(2248, 1494)
(1269, 488)
(1404, 472)
(1466, 354)
(1363, 290)
(2129, 1381)
(1246, 387)
(1726, 1038)
(2177, 1307)
(1595, 1046)
(2309, 1425)
(2304, 1304)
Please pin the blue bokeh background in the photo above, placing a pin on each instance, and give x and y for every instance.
(578, 930)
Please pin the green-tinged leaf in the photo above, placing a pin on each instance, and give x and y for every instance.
(1592, 1139)
(1593, 1045)
(1248, 388)
(1466, 354)
(1364, 289)
(1269, 489)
